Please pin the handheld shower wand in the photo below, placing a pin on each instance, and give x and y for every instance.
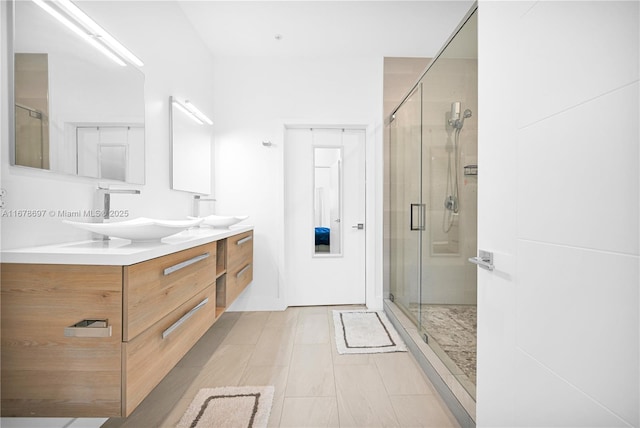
(452, 201)
(455, 120)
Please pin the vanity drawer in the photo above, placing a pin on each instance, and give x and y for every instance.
(237, 280)
(149, 357)
(155, 288)
(239, 250)
(239, 264)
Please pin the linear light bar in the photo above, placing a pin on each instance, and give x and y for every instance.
(80, 23)
(192, 111)
(197, 113)
(99, 32)
(183, 109)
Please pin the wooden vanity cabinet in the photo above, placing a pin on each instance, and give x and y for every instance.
(155, 311)
(168, 304)
(44, 372)
(150, 356)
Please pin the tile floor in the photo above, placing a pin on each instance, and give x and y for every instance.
(454, 328)
(294, 350)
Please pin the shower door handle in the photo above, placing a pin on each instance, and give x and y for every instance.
(484, 259)
(417, 211)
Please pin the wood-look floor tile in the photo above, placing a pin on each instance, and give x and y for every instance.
(225, 368)
(401, 374)
(274, 346)
(264, 376)
(299, 412)
(284, 318)
(310, 372)
(172, 419)
(247, 329)
(295, 351)
(202, 351)
(159, 403)
(422, 411)
(362, 397)
(312, 328)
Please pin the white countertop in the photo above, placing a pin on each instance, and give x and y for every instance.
(117, 251)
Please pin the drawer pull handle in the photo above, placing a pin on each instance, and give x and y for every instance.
(184, 264)
(89, 328)
(244, 240)
(184, 318)
(243, 270)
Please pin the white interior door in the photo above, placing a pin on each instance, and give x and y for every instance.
(558, 323)
(327, 269)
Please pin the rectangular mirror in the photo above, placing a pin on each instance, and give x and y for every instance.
(327, 205)
(63, 85)
(190, 150)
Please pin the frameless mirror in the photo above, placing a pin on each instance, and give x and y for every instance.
(327, 207)
(76, 111)
(190, 150)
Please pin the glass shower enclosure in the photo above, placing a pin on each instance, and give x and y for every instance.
(433, 172)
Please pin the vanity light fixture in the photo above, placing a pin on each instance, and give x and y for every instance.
(191, 111)
(197, 113)
(80, 23)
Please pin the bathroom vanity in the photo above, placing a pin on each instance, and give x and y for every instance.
(90, 328)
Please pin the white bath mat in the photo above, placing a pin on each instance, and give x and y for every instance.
(365, 332)
(229, 407)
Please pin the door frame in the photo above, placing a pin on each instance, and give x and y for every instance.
(373, 207)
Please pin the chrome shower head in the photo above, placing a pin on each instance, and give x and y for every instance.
(455, 121)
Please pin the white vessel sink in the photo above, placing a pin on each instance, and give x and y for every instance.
(138, 229)
(221, 221)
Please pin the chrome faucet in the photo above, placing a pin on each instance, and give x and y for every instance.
(104, 203)
(104, 193)
(196, 204)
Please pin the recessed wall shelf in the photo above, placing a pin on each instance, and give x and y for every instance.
(471, 170)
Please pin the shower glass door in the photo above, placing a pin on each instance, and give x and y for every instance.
(449, 189)
(433, 200)
(407, 220)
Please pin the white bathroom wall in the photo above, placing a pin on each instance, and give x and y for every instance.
(176, 63)
(254, 98)
(558, 318)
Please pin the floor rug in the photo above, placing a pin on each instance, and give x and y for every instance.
(365, 332)
(229, 407)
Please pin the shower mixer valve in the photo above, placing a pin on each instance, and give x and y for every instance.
(451, 203)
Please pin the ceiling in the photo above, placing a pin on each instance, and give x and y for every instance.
(325, 28)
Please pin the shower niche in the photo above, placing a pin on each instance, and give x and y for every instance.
(433, 183)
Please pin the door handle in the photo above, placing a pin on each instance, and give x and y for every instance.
(420, 210)
(358, 226)
(484, 259)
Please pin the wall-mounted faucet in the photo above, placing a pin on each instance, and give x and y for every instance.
(196, 204)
